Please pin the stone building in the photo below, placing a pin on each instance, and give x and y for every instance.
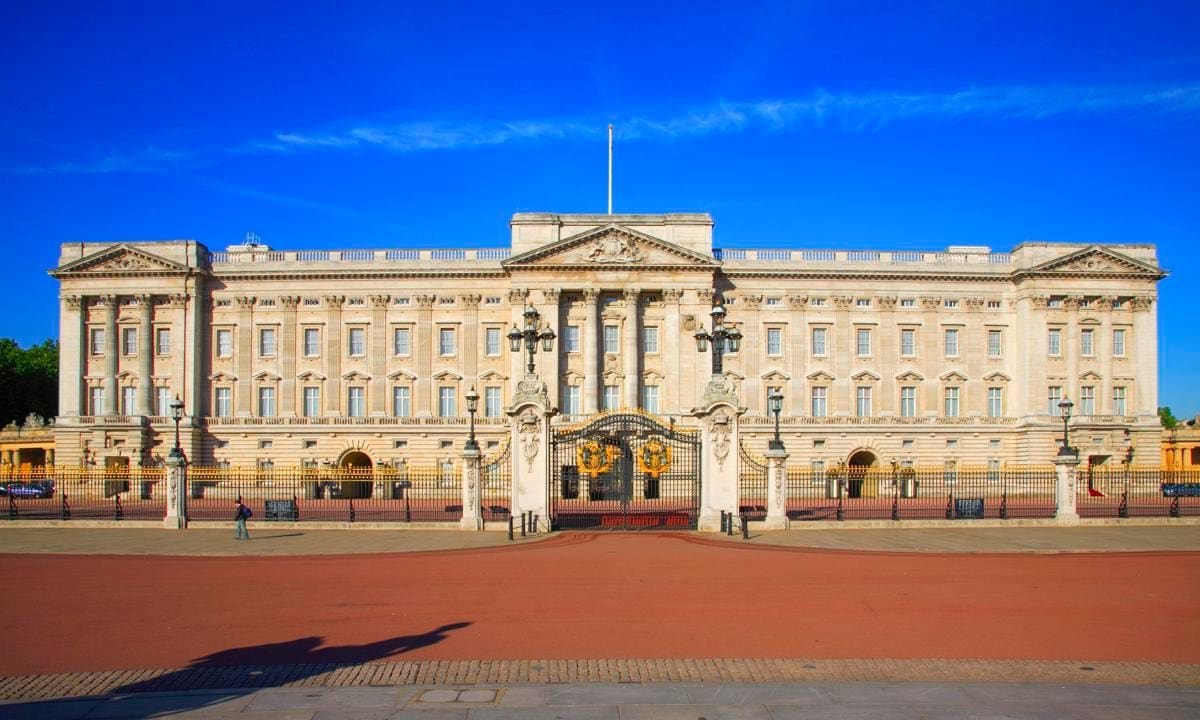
(363, 357)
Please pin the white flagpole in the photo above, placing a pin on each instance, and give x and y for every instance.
(610, 133)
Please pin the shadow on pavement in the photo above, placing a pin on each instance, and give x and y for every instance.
(227, 677)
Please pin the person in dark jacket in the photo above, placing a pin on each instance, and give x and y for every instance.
(239, 521)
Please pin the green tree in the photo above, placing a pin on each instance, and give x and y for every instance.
(30, 380)
(1167, 417)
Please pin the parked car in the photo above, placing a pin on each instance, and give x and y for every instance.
(31, 489)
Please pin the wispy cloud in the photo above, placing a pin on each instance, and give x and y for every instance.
(846, 112)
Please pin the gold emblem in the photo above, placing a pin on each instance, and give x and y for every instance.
(654, 458)
(594, 458)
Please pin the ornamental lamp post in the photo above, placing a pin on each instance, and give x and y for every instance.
(177, 415)
(531, 335)
(775, 406)
(723, 339)
(472, 407)
(1064, 408)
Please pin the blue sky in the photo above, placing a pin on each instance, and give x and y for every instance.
(838, 125)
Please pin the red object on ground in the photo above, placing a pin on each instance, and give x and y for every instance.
(593, 596)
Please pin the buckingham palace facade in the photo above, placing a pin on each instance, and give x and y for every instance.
(363, 357)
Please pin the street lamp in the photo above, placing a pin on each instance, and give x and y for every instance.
(531, 335)
(177, 415)
(775, 405)
(1065, 410)
(472, 407)
(723, 339)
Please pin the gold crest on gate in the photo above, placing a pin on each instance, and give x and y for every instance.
(594, 458)
(654, 458)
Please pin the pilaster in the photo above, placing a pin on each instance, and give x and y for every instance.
(289, 350)
(244, 357)
(112, 347)
(591, 358)
(145, 365)
(377, 395)
(72, 355)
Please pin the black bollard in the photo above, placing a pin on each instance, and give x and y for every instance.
(745, 528)
(510, 528)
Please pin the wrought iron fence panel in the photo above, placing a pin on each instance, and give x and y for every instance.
(84, 493)
(495, 485)
(752, 484)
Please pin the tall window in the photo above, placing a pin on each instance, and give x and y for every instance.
(862, 401)
(571, 339)
(129, 341)
(908, 401)
(610, 339)
(862, 341)
(1054, 341)
(96, 401)
(162, 401)
(266, 342)
(492, 342)
(447, 402)
(224, 343)
(492, 402)
(1053, 398)
(97, 341)
(775, 341)
(908, 342)
(1119, 342)
(612, 397)
(818, 341)
(995, 402)
(1087, 345)
(356, 401)
(994, 340)
(650, 398)
(223, 402)
(819, 401)
(401, 341)
(446, 341)
(650, 339)
(266, 402)
(312, 342)
(358, 342)
(401, 401)
(570, 400)
(1118, 400)
(162, 341)
(1087, 400)
(128, 400)
(951, 342)
(312, 401)
(951, 402)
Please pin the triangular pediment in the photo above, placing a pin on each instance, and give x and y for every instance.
(311, 375)
(865, 376)
(611, 246)
(266, 376)
(401, 376)
(911, 376)
(776, 376)
(356, 376)
(1090, 375)
(997, 377)
(953, 377)
(222, 377)
(1095, 261)
(122, 259)
(490, 375)
(448, 376)
(820, 376)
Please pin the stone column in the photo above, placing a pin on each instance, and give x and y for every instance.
(776, 490)
(176, 518)
(334, 350)
(112, 346)
(548, 363)
(1070, 351)
(887, 354)
(72, 356)
(471, 339)
(288, 351)
(797, 351)
(472, 518)
(718, 418)
(1065, 469)
(243, 362)
(591, 357)
(752, 351)
(841, 399)
(145, 390)
(530, 437)
(425, 350)
(1103, 348)
(631, 350)
(669, 345)
(1145, 356)
(932, 353)
(377, 356)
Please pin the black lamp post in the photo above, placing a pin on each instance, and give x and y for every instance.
(472, 407)
(723, 339)
(775, 405)
(531, 335)
(177, 415)
(1065, 410)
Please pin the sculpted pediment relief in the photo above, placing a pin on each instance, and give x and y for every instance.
(611, 246)
(120, 259)
(1096, 260)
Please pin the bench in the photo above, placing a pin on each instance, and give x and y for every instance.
(1179, 490)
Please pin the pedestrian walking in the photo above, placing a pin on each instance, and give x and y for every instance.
(239, 521)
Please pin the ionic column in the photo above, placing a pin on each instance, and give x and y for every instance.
(670, 342)
(72, 356)
(243, 362)
(425, 351)
(631, 352)
(332, 393)
(377, 355)
(112, 346)
(591, 359)
(145, 399)
(288, 351)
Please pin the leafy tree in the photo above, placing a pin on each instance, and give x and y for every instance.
(1167, 417)
(30, 380)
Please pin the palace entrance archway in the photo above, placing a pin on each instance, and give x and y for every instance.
(860, 463)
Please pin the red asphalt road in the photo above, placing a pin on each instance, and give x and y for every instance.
(593, 596)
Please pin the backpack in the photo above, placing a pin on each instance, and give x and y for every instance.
(247, 512)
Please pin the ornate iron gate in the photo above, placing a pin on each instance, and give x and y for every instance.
(625, 471)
